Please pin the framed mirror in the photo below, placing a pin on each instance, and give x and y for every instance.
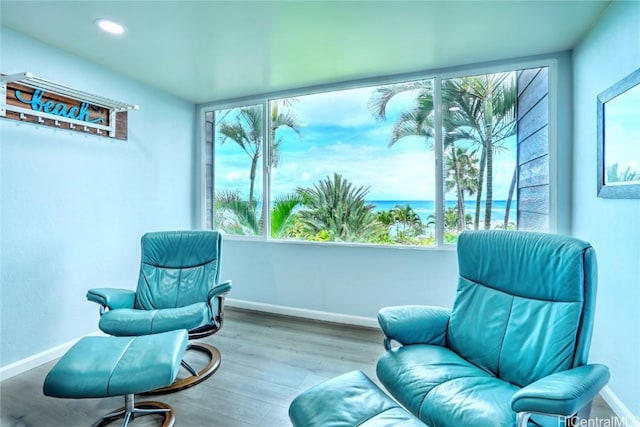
(619, 139)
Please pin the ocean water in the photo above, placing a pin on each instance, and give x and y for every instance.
(424, 208)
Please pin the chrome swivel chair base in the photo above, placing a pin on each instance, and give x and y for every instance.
(130, 411)
(214, 357)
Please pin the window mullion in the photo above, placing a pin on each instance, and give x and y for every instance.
(439, 163)
(266, 170)
(212, 192)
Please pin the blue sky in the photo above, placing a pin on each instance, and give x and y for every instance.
(340, 134)
(622, 130)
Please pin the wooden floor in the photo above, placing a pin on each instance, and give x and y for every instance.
(267, 360)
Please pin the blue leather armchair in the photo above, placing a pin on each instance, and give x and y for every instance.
(513, 350)
(178, 288)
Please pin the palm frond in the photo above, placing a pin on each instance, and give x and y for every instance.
(235, 214)
(410, 124)
(336, 207)
(377, 104)
(282, 213)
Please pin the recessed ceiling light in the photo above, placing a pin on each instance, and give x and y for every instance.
(110, 26)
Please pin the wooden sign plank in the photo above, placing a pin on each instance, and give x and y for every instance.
(40, 101)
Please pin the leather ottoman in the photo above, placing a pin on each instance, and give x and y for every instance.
(99, 366)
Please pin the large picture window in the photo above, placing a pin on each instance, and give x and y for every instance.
(359, 165)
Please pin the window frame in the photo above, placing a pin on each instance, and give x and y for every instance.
(438, 75)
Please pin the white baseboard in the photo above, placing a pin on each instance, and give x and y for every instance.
(619, 408)
(324, 316)
(23, 365)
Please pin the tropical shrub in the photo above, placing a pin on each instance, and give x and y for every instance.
(336, 207)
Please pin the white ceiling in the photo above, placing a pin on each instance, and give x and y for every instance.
(212, 50)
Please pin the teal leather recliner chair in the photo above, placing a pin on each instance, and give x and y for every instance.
(178, 288)
(513, 350)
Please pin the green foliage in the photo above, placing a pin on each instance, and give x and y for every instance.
(451, 220)
(451, 237)
(336, 207)
(614, 174)
(386, 218)
(282, 215)
(241, 217)
(510, 226)
(404, 224)
(324, 223)
(236, 216)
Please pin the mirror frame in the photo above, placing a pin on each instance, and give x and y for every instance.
(618, 191)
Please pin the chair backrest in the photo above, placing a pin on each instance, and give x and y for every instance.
(525, 303)
(178, 268)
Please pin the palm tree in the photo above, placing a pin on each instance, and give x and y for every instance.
(419, 121)
(336, 208)
(512, 188)
(386, 218)
(461, 174)
(479, 108)
(451, 220)
(484, 112)
(246, 130)
(408, 220)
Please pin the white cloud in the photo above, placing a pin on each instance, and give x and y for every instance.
(339, 108)
(235, 175)
(346, 108)
(391, 174)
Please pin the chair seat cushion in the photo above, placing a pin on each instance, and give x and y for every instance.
(434, 382)
(133, 322)
(349, 400)
(99, 366)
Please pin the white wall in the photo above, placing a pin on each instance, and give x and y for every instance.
(73, 206)
(341, 280)
(610, 52)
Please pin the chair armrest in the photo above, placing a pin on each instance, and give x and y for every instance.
(112, 298)
(216, 302)
(219, 290)
(415, 324)
(563, 393)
